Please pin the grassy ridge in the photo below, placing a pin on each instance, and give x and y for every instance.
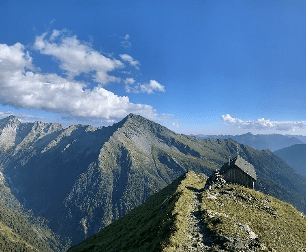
(144, 229)
(236, 217)
(182, 210)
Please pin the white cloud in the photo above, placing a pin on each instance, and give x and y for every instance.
(263, 123)
(129, 87)
(132, 88)
(55, 34)
(77, 57)
(126, 43)
(129, 81)
(22, 86)
(129, 59)
(13, 58)
(151, 87)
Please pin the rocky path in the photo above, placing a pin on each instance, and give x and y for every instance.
(198, 236)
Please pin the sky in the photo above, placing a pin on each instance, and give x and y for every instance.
(194, 66)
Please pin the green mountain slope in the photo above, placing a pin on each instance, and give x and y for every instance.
(143, 229)
(184, 217)
(83, 178)
(295, 156)
(20, 230)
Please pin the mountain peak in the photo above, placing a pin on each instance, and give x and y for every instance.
(129, 117)
(132, 116)
(138, 120)
(9, 119)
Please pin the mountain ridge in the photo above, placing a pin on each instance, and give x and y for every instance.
(262, 141)
(186, 217)
(295, 156)
(82, 178)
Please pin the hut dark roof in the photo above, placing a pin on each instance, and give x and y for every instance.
(244, 165)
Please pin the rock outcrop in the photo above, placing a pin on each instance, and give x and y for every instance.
(215, 181)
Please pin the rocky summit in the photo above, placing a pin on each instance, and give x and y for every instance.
(185, 216)
(81, 179)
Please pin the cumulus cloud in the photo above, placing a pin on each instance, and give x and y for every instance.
(263, 123)
(149, 88)
(13, 58)
(129, 87)
(129, 81)
(23, 86)
(77, 57)
(130, 60)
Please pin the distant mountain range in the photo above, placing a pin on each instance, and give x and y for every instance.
(83, 178)
(261, 142)
(295, 156)
(184, 217)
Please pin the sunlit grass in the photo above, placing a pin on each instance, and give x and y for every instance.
(278, 225)
(161, 223)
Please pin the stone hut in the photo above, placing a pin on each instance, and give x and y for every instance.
(239, 171)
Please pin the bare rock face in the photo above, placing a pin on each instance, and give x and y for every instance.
(237, 243)
(8, 131)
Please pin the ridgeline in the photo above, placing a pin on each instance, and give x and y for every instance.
(186, 217)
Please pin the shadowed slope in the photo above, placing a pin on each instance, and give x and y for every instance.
(143, 229)
(295, 156)
(20, 230)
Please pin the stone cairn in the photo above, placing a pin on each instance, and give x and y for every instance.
(216, 180)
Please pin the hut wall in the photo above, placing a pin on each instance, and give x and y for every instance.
(236, 176)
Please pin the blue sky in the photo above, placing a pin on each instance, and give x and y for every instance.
(197, 67)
